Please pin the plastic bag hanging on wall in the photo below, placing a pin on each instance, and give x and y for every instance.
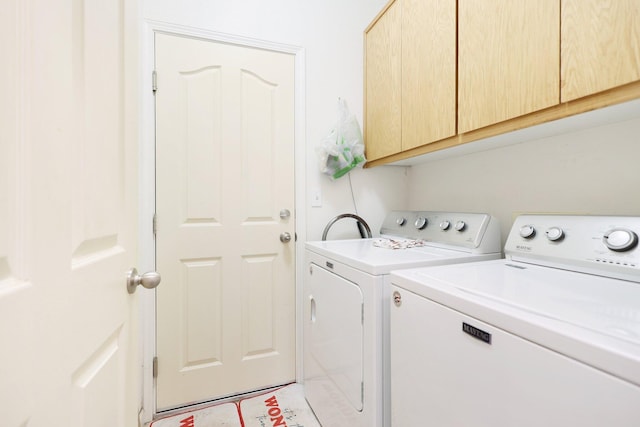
(343, 148)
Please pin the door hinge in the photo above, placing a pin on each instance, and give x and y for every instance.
(155, 225)
(155, 367)
(154, 81)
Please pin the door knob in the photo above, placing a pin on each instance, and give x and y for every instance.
(285, 214)
(285, 237)
(149, 280)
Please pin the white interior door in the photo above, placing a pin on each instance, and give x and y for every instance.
(68, 198)
(224, 173)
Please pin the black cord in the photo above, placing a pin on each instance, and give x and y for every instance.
(361, 229)
(352, 195)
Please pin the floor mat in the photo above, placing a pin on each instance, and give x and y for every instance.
(224, 415)
(283, 407)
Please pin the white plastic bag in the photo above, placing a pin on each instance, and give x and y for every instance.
(343, 149)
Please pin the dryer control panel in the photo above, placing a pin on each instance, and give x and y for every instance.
(474, 232)
(602, 245)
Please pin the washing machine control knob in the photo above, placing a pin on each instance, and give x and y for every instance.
(620, 239)
(401, 221)
(527, 231)
(554, 234)
(460, 226)
(444, 225)
(420, 223)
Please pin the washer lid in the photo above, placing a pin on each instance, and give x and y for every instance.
(570, 312)
(608, 306)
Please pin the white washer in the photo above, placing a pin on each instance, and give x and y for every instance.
(343, 306)
(548, 336)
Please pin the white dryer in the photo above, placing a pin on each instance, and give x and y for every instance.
(344, 291)
(548, 336)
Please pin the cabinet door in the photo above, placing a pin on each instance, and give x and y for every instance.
(508, 63)
(600, 46)
(382, 85)
(428, 71)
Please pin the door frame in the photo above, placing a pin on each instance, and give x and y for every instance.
(148, 190)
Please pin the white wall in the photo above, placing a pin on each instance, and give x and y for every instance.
(331, 33)
(590, 171)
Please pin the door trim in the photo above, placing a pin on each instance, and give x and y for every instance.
(147, 340)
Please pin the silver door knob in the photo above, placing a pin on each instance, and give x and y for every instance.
(285, 237)
(149, 280)
(285, 214)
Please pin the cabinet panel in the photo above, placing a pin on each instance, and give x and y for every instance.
(508, 60)
(428, 71)
(383, 85)
(600, 46)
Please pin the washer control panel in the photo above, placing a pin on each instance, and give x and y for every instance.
(603, 245)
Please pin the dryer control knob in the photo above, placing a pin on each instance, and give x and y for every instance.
(554, 234)
(460, 226)
(527, 231)
(444, 225)
(620, 239)
(420, 222)
(401, 221)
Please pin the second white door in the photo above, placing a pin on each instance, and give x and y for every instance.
(224, 205)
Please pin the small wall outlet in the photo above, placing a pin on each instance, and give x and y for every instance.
(316, 198)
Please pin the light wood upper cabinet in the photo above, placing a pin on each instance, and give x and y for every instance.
(600, 46)
(382, 121)
(428, 71)
(513, 64)
(410, 76)
(508, 59)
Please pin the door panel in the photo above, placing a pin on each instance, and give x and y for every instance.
(428, 71)
(507, 60)
(383, 85)
(67, 214)
(600, 46)
(224, 141)
(334, 350)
